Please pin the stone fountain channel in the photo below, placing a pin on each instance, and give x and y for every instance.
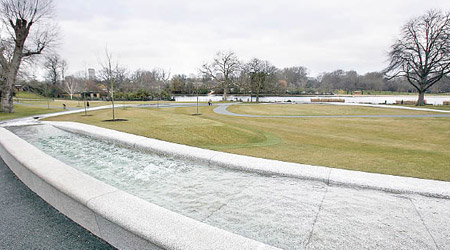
(217, 196)
(284, 205)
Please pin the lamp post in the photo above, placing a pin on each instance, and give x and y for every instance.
(159, 96)
(84, 94)
(197, 85)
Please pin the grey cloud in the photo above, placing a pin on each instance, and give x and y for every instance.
(321, 35)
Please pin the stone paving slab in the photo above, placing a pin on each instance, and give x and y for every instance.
(28, 222)
(435, 214)
(287, 217)
(369, 219)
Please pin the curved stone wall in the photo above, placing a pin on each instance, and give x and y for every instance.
(331, 176)
(119, 218)
(128, 222)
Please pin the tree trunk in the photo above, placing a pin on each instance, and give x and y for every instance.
(10, 72)
(7, 102)
(224, 97)
(113, 111)
(7, 99)
(420, 101)
(257, 95)
(112, 101)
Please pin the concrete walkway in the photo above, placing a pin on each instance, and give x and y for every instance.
(28, 222)
(222, 110)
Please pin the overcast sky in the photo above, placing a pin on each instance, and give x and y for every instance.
(322, 35)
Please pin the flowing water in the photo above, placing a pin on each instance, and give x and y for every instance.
(278, 211)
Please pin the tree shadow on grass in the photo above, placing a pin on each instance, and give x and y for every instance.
(115, 120)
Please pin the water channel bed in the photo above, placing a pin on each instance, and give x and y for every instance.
(278, 211)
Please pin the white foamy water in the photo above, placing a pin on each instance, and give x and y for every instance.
(278, 211)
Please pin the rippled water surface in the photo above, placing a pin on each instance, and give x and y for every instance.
(275, 210)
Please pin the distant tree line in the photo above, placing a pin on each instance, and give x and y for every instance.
(256, 77)
(419, 63)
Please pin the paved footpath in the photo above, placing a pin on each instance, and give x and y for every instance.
(28, 222)
(222, 110)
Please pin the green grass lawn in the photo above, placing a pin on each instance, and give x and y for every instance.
(40, 106)
(441, 107)
(27, 95)
(59, 103)
(23, 111)
(38, 100)
(316, 110)
(417, 147)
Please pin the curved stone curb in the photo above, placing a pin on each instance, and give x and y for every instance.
(331, 176)
(222, 110)
(121, 219)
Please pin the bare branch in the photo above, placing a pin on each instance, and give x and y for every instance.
(422, 53)
(18, 17)
(224, 69)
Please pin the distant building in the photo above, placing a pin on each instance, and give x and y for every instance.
(91, 73)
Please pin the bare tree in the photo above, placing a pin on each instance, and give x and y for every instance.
(53, 65)
(162, 77)
(422, 54)
(63, 68)
(259, 72)
(223, 69)
(111, 73)
(70, 85)
(18, 17)
(80, 81)
(141, 79)
(296, 77)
